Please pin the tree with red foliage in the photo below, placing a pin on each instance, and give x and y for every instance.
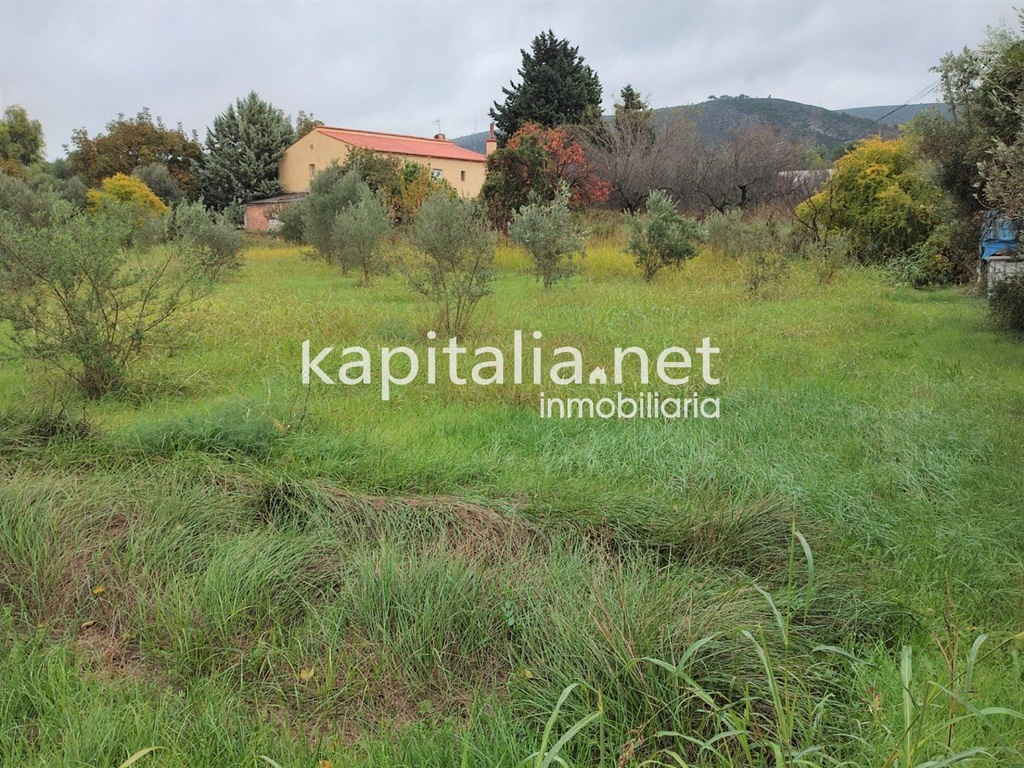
(530, 168)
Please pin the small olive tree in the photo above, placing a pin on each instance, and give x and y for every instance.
(358, 234)
(662, 237)
(331, 191)
(81, 300)
(458, 264)
(547, 232)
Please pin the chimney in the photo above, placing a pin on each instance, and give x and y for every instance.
(492, 142)
(439, 137)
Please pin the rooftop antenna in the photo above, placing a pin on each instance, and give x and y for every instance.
(437, 122)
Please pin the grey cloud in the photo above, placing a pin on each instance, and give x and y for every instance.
(398, 66)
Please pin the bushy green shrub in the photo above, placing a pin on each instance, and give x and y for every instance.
(547, 232)
(733, 236)
(724, 233)
(1006, 303)
(293, 221)
(764, 270)
(662, 237)
(929, 263)
(18, 200)
(71, 188)
(827, 257)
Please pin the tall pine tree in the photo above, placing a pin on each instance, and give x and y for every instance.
(242, 150)
(557, 88)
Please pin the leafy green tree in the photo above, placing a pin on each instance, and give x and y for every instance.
(71, 188)
(21, 139)
(305, 123)
(359, 233)
(556, 88)
(131, 143)
(159, 180)
(242, 150)
(382, 173)
(662, 237)
(80, 302)
(547, 232)
(293, 221)
(977, 154)
(458, 259)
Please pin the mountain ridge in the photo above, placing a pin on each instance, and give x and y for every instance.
(816, 126)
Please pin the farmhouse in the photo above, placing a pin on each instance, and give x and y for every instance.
(462, 168)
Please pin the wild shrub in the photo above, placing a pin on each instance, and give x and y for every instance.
(732, 236)
(215, 242)
(458, 259)
(1006, 303)
(878, 197)
(763, 271)
(547, 232)
(929, 263)
(123, 189)
(293, 221)
(724, 233)
(827, 257)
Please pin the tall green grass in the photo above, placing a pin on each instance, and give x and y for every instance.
(231, 566)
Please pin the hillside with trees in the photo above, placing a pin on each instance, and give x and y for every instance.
(716, 118)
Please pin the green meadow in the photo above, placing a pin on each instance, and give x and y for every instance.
(236, 569)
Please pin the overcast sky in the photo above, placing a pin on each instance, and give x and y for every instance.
(399, 66)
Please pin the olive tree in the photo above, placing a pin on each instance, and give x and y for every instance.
(81, 301)
(547, 232)
(358, 234)
(662, 237)
(458, 259)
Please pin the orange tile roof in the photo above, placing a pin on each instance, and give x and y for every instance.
(402, 145)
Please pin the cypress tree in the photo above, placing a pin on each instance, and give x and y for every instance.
(557, 88)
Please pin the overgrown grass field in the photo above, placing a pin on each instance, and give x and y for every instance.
(240, 570)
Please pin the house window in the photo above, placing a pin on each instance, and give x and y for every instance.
(436, 174)
(463, 175)
(312, 169)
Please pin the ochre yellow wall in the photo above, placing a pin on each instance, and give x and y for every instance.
(312, 149)
(319, 151)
